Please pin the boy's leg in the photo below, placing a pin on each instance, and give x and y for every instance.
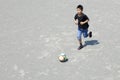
(79, 37)
(90, 34)
(81, 46)
(80, 41)
(86, 34)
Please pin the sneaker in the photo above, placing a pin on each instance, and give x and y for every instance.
(80, 47)
(90, 34)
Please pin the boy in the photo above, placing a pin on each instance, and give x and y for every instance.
(81, 20)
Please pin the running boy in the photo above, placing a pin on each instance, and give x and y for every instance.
(81, 20)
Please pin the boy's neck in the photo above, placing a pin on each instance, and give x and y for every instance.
(80, 14)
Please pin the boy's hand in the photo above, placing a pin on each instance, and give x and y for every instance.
(82, 23)
(76, 21)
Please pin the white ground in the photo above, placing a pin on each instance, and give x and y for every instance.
(34, 32)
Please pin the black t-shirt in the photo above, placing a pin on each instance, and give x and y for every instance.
(82, 18)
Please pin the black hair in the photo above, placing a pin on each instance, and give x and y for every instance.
(80, 7)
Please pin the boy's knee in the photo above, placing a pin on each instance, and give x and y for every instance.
(85, 36)
(78, 37)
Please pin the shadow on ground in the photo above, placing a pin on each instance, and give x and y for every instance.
(91, 42)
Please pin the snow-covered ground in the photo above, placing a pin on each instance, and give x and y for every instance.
(34, 32)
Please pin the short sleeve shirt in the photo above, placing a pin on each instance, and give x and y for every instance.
(82, 18)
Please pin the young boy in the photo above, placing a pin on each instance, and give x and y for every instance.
(81, 20)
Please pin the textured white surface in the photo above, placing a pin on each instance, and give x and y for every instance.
(34, 32)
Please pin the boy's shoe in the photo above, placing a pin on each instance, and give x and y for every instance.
(90, 34)
(80, 47)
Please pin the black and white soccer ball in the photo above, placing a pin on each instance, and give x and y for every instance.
(62, 57)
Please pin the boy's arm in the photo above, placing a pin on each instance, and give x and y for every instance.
(76, 21)
(86, 21)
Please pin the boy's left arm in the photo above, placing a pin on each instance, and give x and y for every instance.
(86, 20)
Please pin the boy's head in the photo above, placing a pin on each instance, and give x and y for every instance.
(79, 9)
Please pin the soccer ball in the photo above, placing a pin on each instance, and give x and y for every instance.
(62, 57)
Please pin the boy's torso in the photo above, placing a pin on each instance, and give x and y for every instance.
(82, 18)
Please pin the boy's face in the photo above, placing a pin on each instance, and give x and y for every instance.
(79, 11)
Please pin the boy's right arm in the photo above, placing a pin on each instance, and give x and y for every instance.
(76, 21)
